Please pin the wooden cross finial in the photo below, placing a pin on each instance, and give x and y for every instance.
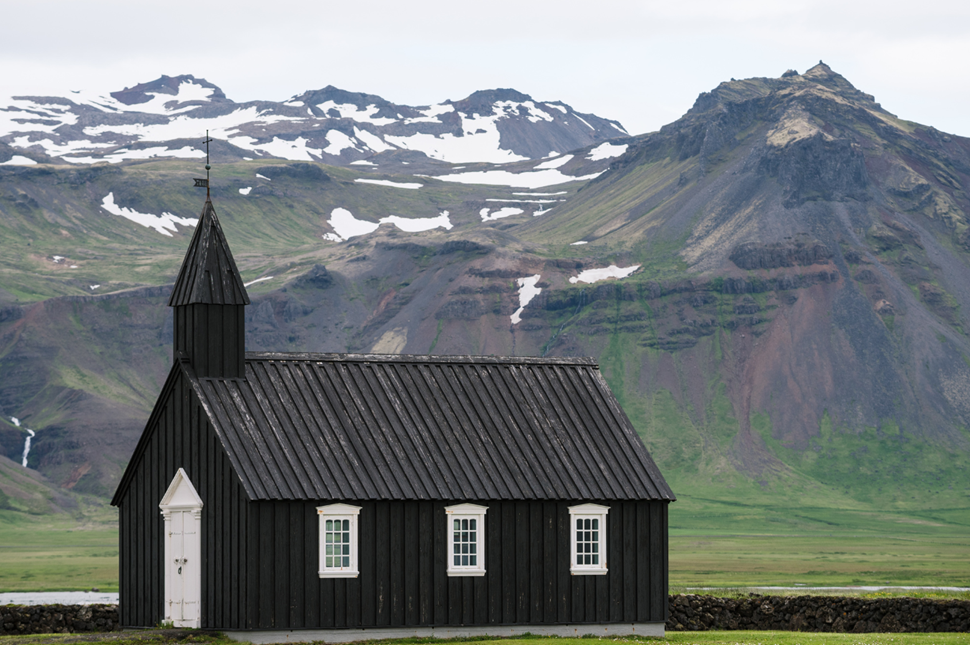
(207, 141)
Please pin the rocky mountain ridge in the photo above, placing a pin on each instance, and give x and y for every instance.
(774, 285)
(168, 118)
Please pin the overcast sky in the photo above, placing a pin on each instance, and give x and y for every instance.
(642, 63)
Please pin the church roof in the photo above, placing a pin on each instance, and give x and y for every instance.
(208, 274)
(458, 428)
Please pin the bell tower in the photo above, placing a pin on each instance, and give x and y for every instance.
(208, 299)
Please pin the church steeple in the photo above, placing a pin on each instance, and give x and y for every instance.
(208, 299)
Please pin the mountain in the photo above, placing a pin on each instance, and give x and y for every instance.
(167, 119)
(774, 284)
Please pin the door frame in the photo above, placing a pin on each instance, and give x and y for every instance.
(181, 497)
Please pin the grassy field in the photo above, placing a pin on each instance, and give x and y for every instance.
(712, 544)
(176, 637)
(720, 544)
(58, 553)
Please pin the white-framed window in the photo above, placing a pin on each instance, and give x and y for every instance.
(338, 540)
(587, 539)
(466, 539)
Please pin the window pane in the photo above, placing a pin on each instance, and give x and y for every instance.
(457, 559)
(471, 524)
(596, 524)
(347, 562)
(329, 549)
(457, 548)
(464, 548)
(329, 562)
(472, 547)
(464, 525)
(464, 560)
(587, 536)
(596, 536)
(346, 525)
(329, 525)
(596, 559)
(473, 560)
(586, 525)
(579, 536)
(346, 549)
(457, 525)
(587, 559)
(579, 524)
(579, 559)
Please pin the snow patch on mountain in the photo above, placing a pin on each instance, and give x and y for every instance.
(418, 224)
(431, 114)
(372, 141)
(351, 111)
(163, 223)
(506, 211)
(19, 160)
(338, 142)
(251, 282)
(296, 150)
(552, 164)
(528, 179)
(346, 226)
(245, 191)
(223, 126)
(590, 276)
(607, 151)
(391, 184)
(527, 291)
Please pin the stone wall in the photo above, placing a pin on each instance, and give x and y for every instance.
(687, 612)
(57, 619)
(818, 614)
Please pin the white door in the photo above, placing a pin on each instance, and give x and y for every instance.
(182, 510)
(182, 561)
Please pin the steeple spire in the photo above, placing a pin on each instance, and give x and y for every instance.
(208, 298)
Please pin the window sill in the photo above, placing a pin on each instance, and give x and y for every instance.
(338, 574)
(465, 574)
(588, 572)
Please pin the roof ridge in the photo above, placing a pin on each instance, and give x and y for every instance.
(464, 359)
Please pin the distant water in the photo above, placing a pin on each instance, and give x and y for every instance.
(58, 598)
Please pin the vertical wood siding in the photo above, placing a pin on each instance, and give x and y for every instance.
(213, 337)
(180, 436)
(403, 546)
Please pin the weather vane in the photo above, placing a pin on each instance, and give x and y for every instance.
(204, 183)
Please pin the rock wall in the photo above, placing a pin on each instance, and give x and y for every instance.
(818, 614)
(58, 619)
(687, 612)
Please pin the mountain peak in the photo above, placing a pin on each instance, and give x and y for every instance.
(184, 88)
(738, 91)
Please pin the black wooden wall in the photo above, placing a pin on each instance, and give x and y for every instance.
(181, 436)
(213, 337)
(402, 565)
(261, 558)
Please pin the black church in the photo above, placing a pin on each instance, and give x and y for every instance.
(348, 496)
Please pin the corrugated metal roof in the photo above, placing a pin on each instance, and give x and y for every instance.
(344, 427)
(208, 274)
